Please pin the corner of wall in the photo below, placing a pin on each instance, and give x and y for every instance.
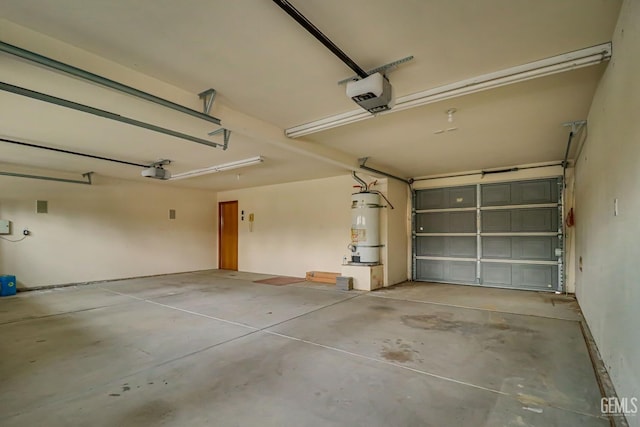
(607, 208)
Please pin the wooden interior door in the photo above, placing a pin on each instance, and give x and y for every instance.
(228, 235)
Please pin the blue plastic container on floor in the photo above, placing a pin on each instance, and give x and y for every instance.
(7, 285)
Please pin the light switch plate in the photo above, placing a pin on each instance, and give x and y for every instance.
(5, 226)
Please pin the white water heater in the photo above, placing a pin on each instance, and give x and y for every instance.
(365, 228)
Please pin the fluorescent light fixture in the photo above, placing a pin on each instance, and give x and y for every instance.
(544, 67)
(218, 168)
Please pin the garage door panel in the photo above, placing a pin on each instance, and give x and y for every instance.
(446, 198)
(496, 221)
(520, 220)
(539, 248)
(431, 199)
(532, 276)
(464, 272)
(446, 222)
(496, 247)
(520, 192)
(539, 191)
(462, 197)
(430, 246)
(432, 222)
(462, 222)
(430, 270)
(446, 246)
(535, 248)
(446, 271)
(463, 247)
(496, 194)
(534, 220)
(496, 274)
(521, 276)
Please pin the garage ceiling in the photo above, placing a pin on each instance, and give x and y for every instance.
(264, 65)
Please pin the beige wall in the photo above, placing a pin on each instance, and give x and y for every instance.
(305, 226)
(608, 286)
(298, 227)
(112, 229)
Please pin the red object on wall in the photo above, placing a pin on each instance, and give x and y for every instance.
(570, 221)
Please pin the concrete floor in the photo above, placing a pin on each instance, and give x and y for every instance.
(213, 348)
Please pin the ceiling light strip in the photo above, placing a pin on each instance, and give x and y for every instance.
(218, 168)
(545, 67)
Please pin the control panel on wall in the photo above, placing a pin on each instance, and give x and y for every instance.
(250, 219)
(5, 226)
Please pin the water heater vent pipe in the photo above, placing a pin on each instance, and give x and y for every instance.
(363, 185)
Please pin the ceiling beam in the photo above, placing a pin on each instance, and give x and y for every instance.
(266, 132)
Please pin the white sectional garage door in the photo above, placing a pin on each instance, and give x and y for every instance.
(501, 235)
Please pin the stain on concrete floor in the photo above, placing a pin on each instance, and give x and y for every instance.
(398, 351)
(382, 308)
(397, 355)
(444, 322)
